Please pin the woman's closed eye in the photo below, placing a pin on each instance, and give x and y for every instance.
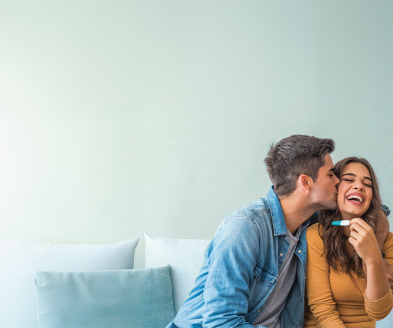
(366, 184)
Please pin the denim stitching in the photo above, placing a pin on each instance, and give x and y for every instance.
(251, 219)
(192, 305)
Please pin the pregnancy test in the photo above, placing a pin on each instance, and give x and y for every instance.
(341, 223)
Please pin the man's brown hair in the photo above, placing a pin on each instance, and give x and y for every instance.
(293, 156)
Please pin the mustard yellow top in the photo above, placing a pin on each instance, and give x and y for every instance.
(336, 299)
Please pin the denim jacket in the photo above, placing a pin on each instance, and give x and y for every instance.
(240, 269)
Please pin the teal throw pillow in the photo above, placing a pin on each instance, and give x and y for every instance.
(105, 299)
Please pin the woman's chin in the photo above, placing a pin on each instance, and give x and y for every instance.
(350, 214)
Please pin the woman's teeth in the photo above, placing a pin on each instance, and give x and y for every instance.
(355, 198)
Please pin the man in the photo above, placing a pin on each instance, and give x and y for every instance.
(253, 273)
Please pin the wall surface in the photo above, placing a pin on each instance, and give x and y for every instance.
(119, 117)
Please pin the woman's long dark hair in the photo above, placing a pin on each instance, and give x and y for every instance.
(334, 239)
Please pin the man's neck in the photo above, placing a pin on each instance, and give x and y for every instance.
(295, 212)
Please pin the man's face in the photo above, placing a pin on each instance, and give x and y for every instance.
(324, 192)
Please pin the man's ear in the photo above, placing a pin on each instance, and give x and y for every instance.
(305, 182)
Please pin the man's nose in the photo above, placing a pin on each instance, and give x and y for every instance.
(336, 181)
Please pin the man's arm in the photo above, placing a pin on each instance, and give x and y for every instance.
(232, 260)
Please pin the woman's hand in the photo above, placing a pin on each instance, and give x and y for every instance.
(363, 239)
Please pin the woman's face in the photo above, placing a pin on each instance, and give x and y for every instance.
(355, 191)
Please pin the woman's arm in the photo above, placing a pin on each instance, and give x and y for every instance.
(378, 299)
(380, 234)
(363, 239)
(319, 294)
(381, 308)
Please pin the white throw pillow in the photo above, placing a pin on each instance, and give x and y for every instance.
(20, 261)
(184, 256)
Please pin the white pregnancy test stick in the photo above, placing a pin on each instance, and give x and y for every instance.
(341, 223)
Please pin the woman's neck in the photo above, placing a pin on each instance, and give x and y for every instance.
(347, 216)
(347, 230)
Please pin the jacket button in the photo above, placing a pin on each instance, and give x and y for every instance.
(259, 311)
(281, 254)
(299, 251)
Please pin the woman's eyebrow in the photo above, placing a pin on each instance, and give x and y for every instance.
(354, 175)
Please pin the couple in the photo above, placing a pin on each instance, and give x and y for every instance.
(255, 268)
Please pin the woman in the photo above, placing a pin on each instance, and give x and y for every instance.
(339, 292)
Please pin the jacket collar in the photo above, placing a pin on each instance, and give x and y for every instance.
(278, 220)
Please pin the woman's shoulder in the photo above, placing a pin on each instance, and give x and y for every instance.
(314, 240)
(313, 233)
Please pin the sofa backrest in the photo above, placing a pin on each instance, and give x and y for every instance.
(184, 256)
(20, 261)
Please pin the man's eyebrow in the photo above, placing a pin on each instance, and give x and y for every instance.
(332, 169)
(354, 175)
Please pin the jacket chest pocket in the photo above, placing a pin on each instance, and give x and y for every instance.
(262, 286)
(264, 275)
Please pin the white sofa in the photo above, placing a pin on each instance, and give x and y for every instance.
(55, 286)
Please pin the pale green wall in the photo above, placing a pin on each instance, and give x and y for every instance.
(118, 117)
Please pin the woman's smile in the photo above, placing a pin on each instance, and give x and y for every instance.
(355, 191)
(355, 198)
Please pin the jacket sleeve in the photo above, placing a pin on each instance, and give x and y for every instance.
(319, 294)
(379, 309)
(232, 260)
